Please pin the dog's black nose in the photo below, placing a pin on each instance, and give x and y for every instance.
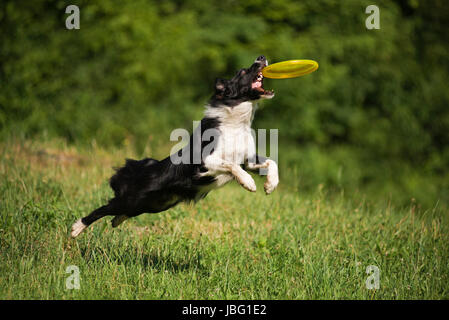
(261, 58)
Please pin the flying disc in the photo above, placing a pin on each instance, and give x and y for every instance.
(289, 69)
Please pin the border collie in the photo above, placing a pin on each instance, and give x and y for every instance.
(150, 186)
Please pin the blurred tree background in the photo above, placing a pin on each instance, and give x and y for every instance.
(373, 120)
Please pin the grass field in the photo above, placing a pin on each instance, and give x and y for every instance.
(232, 245)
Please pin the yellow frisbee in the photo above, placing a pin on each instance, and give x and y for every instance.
(289, 69)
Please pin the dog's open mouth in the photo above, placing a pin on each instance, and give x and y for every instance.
(258, 86)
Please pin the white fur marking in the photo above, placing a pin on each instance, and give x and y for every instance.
(77, 228)
(234, 143)
(235, 146)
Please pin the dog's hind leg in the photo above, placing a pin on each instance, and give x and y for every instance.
(118, 220)
(83, 223)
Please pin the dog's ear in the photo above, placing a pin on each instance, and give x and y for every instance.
(220, 85)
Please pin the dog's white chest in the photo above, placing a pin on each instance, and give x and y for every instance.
(235, 141)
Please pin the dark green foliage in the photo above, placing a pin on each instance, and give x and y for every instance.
(374, 116)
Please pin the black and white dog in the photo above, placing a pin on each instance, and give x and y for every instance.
(152, 186)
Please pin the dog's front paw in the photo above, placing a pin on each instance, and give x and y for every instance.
(247, 182)
(271, 183)
(272, 177)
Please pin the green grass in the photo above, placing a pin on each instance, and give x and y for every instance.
(232, 245)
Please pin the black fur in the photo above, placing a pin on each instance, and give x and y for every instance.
(150, 185)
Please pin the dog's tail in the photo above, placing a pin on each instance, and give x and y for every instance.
(130, 172)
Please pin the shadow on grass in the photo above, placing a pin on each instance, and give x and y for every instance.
(175, 263)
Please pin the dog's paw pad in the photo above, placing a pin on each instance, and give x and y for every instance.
(269, 187)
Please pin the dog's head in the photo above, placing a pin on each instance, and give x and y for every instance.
(246, 85)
